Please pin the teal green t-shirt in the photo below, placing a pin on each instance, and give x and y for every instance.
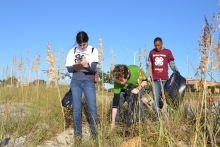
(134, 76)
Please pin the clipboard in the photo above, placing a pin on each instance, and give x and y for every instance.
(78, 67)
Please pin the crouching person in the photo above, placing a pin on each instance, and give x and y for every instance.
(123, 77)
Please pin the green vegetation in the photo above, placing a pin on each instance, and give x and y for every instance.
(40, 119)
(34, 110)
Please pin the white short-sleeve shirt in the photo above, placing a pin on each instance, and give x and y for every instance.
(78, 52)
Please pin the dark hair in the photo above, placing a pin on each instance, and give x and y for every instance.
(82, 37)
(158, 39)
(120, 71)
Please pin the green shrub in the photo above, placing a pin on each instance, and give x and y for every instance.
(193, 89)
(213, 89)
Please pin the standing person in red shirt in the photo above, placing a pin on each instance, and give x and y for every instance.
(158, 59)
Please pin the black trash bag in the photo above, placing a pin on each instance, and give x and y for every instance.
(67, 100)
(132, 100)
(174, 89)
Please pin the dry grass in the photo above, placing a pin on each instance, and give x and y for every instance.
(134, 142)
(35, 111)
(53, 73)
(41, 118)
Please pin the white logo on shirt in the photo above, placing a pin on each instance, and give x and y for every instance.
(159, 61)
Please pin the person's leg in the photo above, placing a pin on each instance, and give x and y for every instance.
(160, 100)
(77, 106)
(121, 102)
(156, 95)
(90, 95)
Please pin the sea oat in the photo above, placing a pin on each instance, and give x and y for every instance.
(61, 68)
(101, 59)
(20, 67)
(14, 68)
(28, 67)
(36, 66)
(208, 62)
(3, 77)
(112, 63)
(52, 74)
(101, 55)
(145, 57)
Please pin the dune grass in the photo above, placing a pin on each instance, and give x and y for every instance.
(39, 118)
(34, 110)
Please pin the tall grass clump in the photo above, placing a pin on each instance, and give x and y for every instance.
(140, 78)
(101, 60)
(13, 69)
(110, 81)
(209, 63)
(30, 110)
(20, 68)
(53, 75)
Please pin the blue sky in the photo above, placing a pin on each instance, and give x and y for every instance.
(26, 24)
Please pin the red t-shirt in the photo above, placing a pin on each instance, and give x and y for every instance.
(159, 63)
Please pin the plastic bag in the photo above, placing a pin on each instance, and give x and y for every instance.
(132, 100)
(67, 100)
(174, 89)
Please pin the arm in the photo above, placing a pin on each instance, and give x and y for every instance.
(114, 109)
(149, 68)
(143, 83)
(142, 77)
(114, 112)
(137, 89)
(173, 66)
(91, 68)
(70, 69)
(91, 62)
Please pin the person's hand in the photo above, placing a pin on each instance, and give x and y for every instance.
(85, 62)
(112, 127)
(77, 61)
(135, 91)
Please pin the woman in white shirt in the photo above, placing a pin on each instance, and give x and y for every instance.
(82, 61)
